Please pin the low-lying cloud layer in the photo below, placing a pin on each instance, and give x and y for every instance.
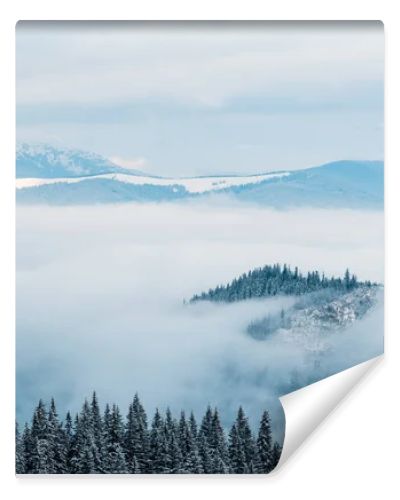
(100, 302)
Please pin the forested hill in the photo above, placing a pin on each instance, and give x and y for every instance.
(278, 280)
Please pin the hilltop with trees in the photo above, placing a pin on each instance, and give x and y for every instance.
(269, 281)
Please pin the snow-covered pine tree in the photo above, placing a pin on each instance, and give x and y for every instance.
(247, 439)
(264, 445)
(130, 439)
(98, 434)
(184, 436)
(347, 280)
(19, 452)
(220, 456)
(158, 445)
(193, 426)
(27, 448)
(57, 440)
(205, 454)
(69, 439)
(173, 455)
(187, 436)
(175, 464)
(237, 457)
(73, 443)
(206, 425)
(136, 441)
(193, 462)
(276, 455)
(205, 443)
(41, 459)
(85, 454)
(115, 462)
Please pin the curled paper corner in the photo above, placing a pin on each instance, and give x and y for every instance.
(306, 408)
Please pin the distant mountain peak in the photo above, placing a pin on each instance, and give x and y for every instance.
(40, 160)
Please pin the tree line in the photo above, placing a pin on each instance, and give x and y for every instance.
(278, 280)
(104, 443)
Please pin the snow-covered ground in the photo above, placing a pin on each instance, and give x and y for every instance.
(191, 184)
(313, 325)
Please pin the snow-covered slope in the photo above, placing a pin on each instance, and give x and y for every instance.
(190, 184)
(317, 315)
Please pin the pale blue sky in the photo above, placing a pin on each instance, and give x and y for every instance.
(204, 99)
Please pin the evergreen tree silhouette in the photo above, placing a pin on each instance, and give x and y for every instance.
(41, 451)
(264, 445)
(158, 445)
(137, 438)
(98, 433)
(19, 452)
(115, 462)
(57, 440)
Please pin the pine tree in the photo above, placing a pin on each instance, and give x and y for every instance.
(173, 455)
(27, 448)
(347, 279)
(242, 450)
(184, 436)
(19, 452)
(57, 441)
(206, 425)
(264, 444)
(137, 438)
(115, 462)
(73, 450)
(220, 457)
(85, 454)
(276, 455)
(247, 440)
(41, 452)
(192, 463)
(205, 443)
(237, 457)
(98, 434)
(187, 433)
(174, 463)
(158, 445)
(193, 426)
(205, 454)
(69, 439)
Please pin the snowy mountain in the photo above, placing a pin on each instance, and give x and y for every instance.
(41, 161)
(57, 176)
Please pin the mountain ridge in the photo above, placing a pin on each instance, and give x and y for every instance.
(76, 177)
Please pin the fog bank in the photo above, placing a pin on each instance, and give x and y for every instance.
(100, 302)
